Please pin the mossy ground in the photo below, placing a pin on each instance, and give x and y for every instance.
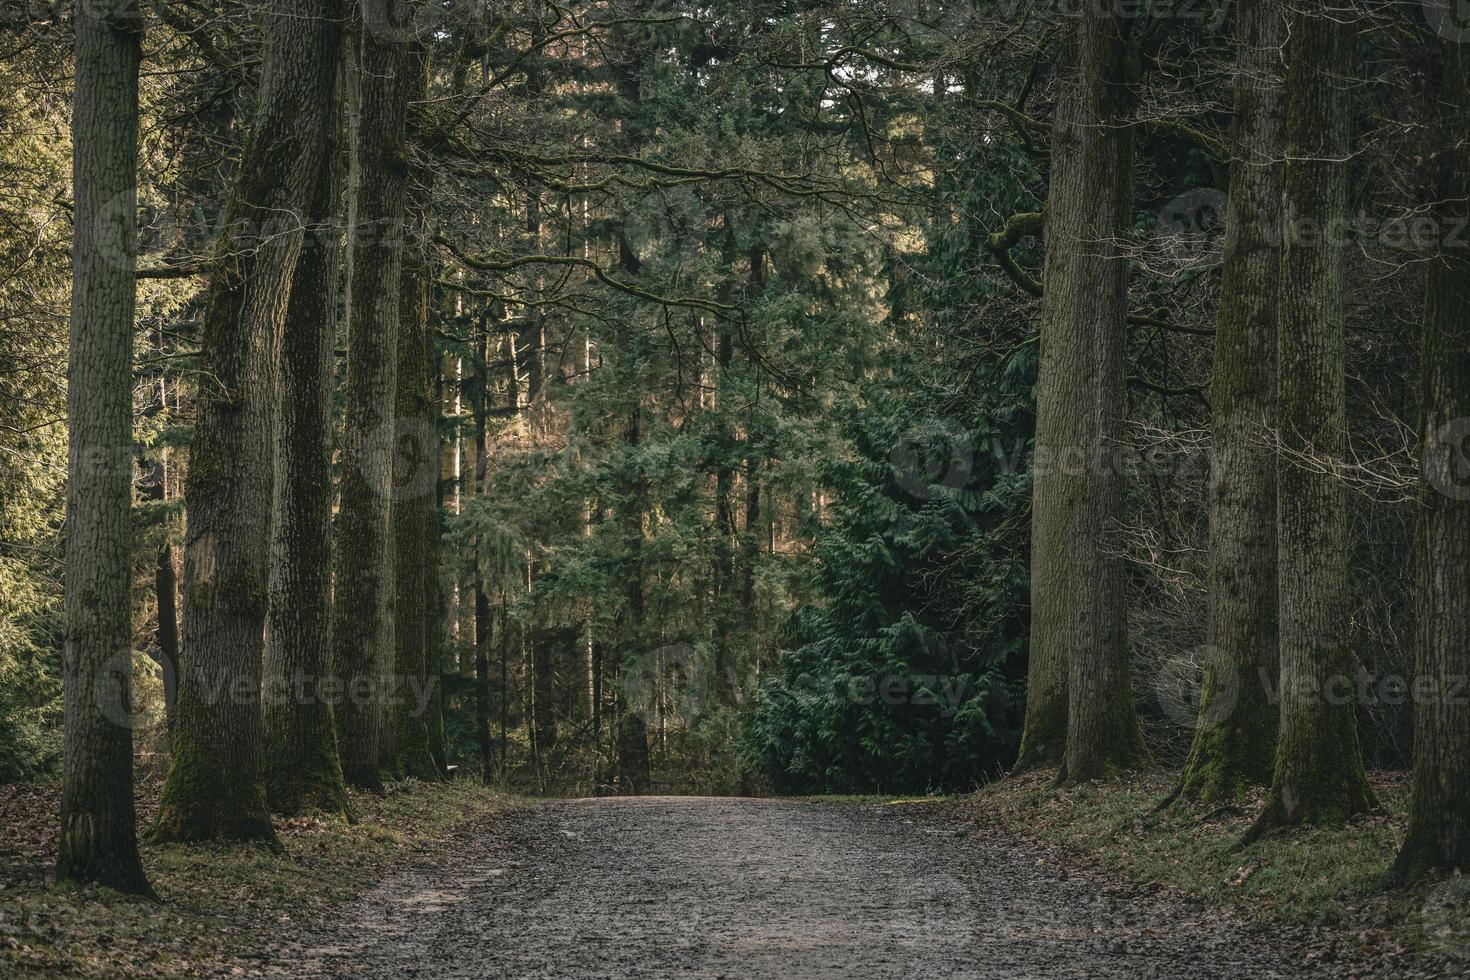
(220, 902)
(1331, 878)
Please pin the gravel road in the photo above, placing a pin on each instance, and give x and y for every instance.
(656, 887)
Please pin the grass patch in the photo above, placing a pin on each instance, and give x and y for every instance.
(1329, 878)
(221, 902)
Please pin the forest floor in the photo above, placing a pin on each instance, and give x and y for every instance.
(1019, 880)
(662, 887)
(1320, 892)
(220, 904)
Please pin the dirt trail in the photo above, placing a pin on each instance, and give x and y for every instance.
(787, 890)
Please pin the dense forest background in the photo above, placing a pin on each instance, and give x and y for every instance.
(732, 314)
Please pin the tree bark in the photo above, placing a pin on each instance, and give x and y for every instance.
(98, 840)
(1079, 703)
(302, 765)
(1235, 738)
(483, 624)
(1438, 835)
(631, 735)
(632, 731)
(1318, 775)
(363, 640)
(156, 482)
(216, 786)
(415, 479)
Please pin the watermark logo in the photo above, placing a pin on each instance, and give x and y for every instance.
(1197, 689)
(669, 225)
(1209, 13)
(112, 691)
(1446, 917)
(1444, 460)
(400, 459)
(941, 694)
(673, 683)
(936, 454)
(1449, 18)
(1190, 231)
(409, 20)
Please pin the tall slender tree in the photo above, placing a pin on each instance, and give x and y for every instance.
(99, 840)
(1438, 835)
(1235, 738)
(303, 769)
(1318, 776)
(216, 785)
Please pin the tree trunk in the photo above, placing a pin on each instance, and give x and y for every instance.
(363, 643)
(1080, 704)
(98, 823)
(1319, 774)
(415, 481)
(483, 629)
(155, 483)
(483, 625)
(302, 766)
(439, 603)
(1235, 739)
(216, 786)
(631, 736)
(1438, 835)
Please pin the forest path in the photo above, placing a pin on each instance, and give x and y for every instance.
(656, 887)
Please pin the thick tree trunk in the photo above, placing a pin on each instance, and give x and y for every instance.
(216, 785)
(1438, 836)
(1319, 774)
(363, 633)
(1235, 739)
(1080, 704)
(303, 769)
(415, 480)
(98, 840)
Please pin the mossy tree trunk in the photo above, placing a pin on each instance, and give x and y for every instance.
(1318, 776)
(1438, 835)
(1079, 704)
(362, 629)
(415, 481)
(216, 784)
(98, 841)
(1234, 745)
(303, 769)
